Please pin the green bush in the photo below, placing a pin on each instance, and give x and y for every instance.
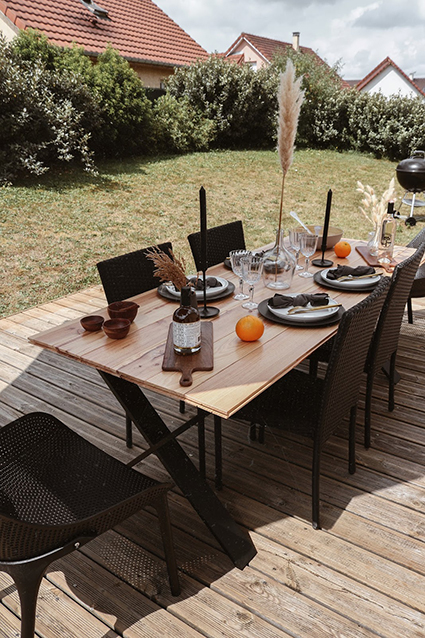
(179, 128)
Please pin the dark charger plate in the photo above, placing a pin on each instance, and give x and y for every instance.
(327, 284)
(220, 294)
(263, 309)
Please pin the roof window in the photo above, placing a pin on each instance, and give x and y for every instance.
(95, 9)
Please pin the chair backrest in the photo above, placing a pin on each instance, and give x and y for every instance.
(385, 339)
(130, 274)
(417, 239)
(220, 241)
(347, 360)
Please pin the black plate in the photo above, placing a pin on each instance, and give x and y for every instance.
(263, 309)
(327, 284)
(163, 292)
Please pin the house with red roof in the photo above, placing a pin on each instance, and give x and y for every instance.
(142, 33)
(388, 79)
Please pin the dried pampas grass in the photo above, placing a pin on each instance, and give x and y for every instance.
(168, 268)
(290, 98)
(374, 209)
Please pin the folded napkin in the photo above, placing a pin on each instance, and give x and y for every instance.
(285, 301)
(212, 282)
(344, 271)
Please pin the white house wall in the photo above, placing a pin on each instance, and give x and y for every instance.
(391, 82)
(7, 28)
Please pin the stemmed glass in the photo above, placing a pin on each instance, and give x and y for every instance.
(308, 247)
(295, 243)
(252, 269)
(235, 262)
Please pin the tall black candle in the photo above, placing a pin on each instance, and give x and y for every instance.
(326, 224)
(203, 207)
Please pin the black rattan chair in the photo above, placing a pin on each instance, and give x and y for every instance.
(220, 241)
(58, 492)
(126, 276)
(384, 344)
(418, 286)
(315, 407)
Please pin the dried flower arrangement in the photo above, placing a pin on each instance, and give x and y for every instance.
(168, 267)
(375, 209)
(290, 98)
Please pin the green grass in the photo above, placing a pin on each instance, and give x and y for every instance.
(54, 229)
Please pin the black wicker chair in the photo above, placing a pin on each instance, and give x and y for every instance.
(58, 492)
(315, 407)
(126, 276)
(418, 286)
(383, 347)
(220, 241)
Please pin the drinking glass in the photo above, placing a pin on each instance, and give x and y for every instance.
(252, 269)
(295, 244)
(308, 247)
(235, 262)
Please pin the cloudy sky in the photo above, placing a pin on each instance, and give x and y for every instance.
(360, 34)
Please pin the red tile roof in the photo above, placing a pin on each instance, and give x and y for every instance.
(138, 29)
(381, 67)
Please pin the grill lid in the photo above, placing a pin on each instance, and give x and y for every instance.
(411, 172)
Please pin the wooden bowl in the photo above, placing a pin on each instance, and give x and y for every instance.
(123, 310)
(116, 328)
(92, 323)
(334, 235)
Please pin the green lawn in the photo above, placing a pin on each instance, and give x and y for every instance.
(55, 228)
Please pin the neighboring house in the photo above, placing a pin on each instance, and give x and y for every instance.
(388, 79)
(142, 33)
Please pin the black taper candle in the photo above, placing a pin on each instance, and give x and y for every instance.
(203, 207)
(322, 262)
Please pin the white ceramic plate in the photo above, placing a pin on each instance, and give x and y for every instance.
(304, 316)
(355, 282)
(200, 293)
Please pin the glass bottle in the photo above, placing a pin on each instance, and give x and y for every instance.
(387, 236)
(186, 325)
(279, 265)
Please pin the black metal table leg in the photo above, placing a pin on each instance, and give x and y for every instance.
(234, 540)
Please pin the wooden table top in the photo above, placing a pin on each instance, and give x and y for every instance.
(242, 370)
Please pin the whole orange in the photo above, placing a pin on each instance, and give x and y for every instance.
(249, 328)
(342, 249)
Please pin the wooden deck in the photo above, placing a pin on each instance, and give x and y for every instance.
(363, 575)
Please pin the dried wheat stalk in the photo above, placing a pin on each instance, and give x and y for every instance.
(168, 267)
(374, 209)
(290, 98)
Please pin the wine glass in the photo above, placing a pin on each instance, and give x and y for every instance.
(308, 247)
(295, 244)
(235, 262)
(252, 269)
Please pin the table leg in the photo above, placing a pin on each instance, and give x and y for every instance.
(234, 540)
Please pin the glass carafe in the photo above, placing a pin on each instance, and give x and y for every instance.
(279, 265)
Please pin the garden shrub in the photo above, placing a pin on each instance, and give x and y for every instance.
(179, 128)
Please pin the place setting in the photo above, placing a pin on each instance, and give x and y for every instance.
(301, 309)
(358, 279)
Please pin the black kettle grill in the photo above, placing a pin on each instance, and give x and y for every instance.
(411, 176)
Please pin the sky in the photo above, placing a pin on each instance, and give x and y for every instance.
(358, 35)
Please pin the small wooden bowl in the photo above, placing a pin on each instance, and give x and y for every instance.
(92, 323)
(123, 310)
(116, 328)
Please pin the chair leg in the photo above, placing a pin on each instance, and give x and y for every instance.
(313, 365)
(261, 433)
(163, 511)
(352, 440)
(409, 310)
(367, 409)
(218, 453)
(315, 489)
(391, 385)
(201, 443)
(128, 432)
(182, 407)
(253, 432)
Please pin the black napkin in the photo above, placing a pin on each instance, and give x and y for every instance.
(285, 301)
(212, 282)
(344, 271)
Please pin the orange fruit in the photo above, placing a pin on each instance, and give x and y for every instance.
(342, 249)
(249, 328)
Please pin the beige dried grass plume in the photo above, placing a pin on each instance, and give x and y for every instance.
(374, 209)
(290, 98)
(168, 267)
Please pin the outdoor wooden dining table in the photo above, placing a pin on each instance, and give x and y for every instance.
(242, 370)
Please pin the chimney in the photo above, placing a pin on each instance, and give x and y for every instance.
(296, 40)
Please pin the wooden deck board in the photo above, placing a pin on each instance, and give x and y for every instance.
(362, 575)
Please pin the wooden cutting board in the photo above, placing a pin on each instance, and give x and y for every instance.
(189, 363)
(373, 260)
